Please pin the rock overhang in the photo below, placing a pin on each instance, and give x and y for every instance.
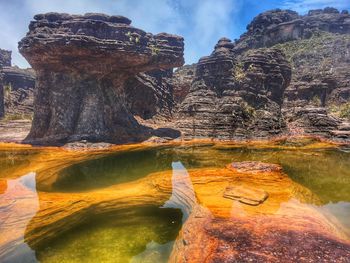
(82, 42)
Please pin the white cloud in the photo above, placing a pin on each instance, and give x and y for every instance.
(201, 23)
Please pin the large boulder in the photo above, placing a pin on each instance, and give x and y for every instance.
(236, 96)
(82, 63)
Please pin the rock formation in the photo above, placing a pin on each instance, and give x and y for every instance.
(317, 45)
(278, 26)
(83, 63)
(317, 101)
(236, 97)
(150, 95)
(19, 91)
(5, 60)
(182, 81)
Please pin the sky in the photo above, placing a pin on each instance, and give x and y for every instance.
(201, 22)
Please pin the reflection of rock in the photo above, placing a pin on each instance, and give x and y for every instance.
(18, 204)
(271, 231)
(182, 195)
(82, 64)
(278, 230)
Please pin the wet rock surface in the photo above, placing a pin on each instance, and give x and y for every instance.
(82, 63)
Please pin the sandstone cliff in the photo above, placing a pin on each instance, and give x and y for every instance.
(236, 97)
(83, 63)
(5, 60)
(19, 92)
(317, 101)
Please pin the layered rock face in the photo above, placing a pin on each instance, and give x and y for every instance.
(236, 96)
(182, 81)
(19, 91)
(317, 45)
(82, 65)
(5, 60)
(317, 101)
(150, 95)
(278, 26)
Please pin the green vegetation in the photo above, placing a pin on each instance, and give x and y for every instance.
(345, 111)
(154, 50)
(342, 111)
(7, 91)
(247, 109)
(239, 72)
(17, 116)
(316, 100)
(315, 44)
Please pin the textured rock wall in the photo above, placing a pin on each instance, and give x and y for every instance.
(5, 60)
(20, 84)
(150, 95)
(182, 81)
(317, 101)
(82, 64)
(278, 26)
(234, 97)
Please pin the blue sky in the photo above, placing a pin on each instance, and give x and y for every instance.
(200, 22)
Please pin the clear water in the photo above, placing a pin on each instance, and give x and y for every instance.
(146, 234)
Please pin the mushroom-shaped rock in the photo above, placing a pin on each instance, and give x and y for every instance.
(82, 63)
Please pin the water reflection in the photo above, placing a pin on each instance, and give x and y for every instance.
(18, 204)
(183, 196)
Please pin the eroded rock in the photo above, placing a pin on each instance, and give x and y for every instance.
(82, 63)
(236, 97)
(5, 60)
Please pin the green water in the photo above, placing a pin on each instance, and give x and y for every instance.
(324, 171)
(147, 234)
(139, 235)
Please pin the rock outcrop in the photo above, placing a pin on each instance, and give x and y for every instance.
(317, 45)
(150, 95)
(236, 97)
(182, 81)
(83, 63)
(278, 26)
(5, 60)
(317, 101)
(19, 91)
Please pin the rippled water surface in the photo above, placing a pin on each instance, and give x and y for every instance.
(142, 233)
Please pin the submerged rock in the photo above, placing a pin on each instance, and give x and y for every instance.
(82, 63)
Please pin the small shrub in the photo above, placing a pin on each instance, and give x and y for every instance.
(345, 111)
